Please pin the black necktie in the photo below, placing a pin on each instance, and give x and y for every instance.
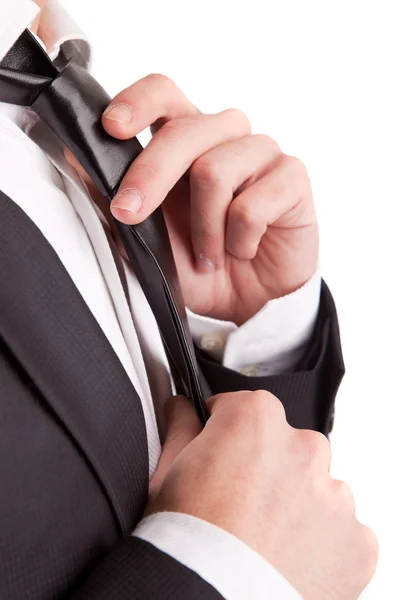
(71, 102)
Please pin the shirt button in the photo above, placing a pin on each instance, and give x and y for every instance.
(250, 371)
(212, 342)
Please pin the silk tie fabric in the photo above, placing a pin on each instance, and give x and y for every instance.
(71, 102)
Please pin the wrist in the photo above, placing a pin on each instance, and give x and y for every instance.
(225, 520)
(281, 289)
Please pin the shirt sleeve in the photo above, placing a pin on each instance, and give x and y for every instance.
(270, 343)
(227, 564)
(15, 18)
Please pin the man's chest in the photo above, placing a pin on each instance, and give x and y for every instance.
(51, 194)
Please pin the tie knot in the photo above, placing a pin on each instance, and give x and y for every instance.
(25, 71)
(18, 87)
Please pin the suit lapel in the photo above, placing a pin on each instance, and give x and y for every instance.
(49, 328)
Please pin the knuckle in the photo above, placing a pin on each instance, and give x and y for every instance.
(176, 129)
(205, 240)
(238, 115)
(266, 405)
(201, 233)
(159, 80)
(142, 173)
(248, 408)
(224, 400)
(205, 237)
(297, 173)
(297, 168)
(207, 172)
(315, 447)
(343, 495)
(247, 219)
(370, 547)
(268, 141)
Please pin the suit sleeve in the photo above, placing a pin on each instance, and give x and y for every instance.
(137, 569)
(308, 391)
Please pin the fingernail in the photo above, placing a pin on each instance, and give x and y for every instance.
(122, 113)
(128, 199)
(204, 264)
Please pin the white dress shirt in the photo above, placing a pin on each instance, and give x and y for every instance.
(56, 200)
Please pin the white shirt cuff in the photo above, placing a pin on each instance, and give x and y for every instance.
(230, 566)
(271, 342)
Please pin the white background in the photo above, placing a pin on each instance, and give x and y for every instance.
(322, 79)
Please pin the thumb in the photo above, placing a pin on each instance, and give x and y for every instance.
(182, 426)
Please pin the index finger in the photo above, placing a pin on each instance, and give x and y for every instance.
(221, 401)
(151, 101)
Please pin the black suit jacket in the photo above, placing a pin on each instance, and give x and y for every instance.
(73, 448)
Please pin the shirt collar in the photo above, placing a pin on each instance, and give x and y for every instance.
(57, 28)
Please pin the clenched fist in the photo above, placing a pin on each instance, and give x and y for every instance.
(268, 484)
